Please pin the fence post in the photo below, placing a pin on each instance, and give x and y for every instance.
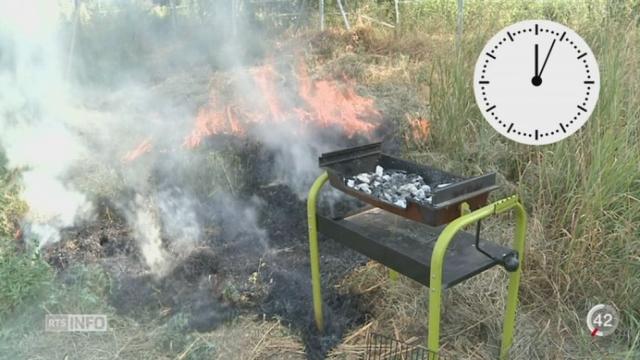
(397, 15)
(321, 15)
(459, 25)
(344, 15)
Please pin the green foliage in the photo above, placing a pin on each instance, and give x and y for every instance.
(585, 190)
(22, 276)
(583, 193)
(22, 279)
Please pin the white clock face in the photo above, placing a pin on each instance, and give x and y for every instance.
(536, 82)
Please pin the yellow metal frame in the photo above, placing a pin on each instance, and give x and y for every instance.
(437, 264)
(313, 248)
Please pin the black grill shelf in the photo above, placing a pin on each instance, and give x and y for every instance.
(406, 246)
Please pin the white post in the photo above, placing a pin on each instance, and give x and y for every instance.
(459, 25)
(321, 15)
(344, 15)
(397, 13)
(174, 19)
(234, 27)
(74, 33)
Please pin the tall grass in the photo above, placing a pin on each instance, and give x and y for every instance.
(584, 192)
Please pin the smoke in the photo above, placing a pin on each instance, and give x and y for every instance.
(100, 103)
(97, 104)
(34, 109)
(147, 231)
(58, 121)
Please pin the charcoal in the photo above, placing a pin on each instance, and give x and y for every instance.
(364, 187)
(364, 178)
(401, 202)
(393, 186)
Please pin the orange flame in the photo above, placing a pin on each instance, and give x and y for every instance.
(264, 78)
(325, 103)
(330, 106)
(213, 121)
(419, 129)
(143, 148)
(319, 103)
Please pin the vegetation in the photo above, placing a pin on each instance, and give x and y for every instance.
(582, 195)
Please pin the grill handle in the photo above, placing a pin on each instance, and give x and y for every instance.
(508, 261)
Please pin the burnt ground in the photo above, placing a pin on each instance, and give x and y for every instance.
(234, 271)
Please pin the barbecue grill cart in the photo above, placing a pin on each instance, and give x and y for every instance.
(422, 240)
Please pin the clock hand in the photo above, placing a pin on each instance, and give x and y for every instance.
(547, 58)
(536, 59)
(536, 80)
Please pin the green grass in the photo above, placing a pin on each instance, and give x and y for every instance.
(583, 193)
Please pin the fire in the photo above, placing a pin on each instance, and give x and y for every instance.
(143, 148)
(419, 129)
(313, 104)
(211, 120)
(322, 103)
(330, 106)
(265, 79)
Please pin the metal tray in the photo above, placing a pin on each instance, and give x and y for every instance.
(445, 203)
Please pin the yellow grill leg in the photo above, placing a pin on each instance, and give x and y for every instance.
(314, 251)
(437, 262)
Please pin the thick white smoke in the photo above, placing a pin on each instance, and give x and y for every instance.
(46, 131)
(78, 94)
(34, 110)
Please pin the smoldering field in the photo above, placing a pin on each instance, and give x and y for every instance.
(172, 159)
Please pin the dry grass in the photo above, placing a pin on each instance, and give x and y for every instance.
(249, 339)
(245, 338)
(581, 194)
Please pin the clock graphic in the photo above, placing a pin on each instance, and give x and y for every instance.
(536, 82)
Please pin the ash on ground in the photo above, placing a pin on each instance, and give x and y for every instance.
(393, 186)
